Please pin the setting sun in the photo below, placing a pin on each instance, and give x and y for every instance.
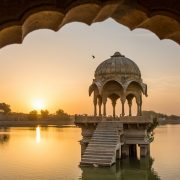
(38, 104)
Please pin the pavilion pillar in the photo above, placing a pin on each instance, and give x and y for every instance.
(122, 103)
(130, 107)
(140, 109)
(100, 104)
(104, 107)
(125, 150)
(137, 109)
(139, 106)
(114, 107)
(144, 150)
(95, 106)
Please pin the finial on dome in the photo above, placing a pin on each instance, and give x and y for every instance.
(117, 54)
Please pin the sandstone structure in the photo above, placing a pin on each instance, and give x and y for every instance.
(105, 138)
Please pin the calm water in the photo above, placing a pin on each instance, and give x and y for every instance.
(54, 153)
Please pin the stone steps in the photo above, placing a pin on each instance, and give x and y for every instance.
(101, 150)
(96, 156)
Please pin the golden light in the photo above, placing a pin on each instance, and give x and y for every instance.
(38, 104)
(38, 135)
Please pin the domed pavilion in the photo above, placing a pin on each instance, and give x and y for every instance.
(108, 138)
(119, 79)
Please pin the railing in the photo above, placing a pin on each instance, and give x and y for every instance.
(124, 119)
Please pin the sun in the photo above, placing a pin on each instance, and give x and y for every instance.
(38, 104)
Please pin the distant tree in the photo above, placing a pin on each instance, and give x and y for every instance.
(152, 114)
(59, 112)
(5, 108)
(62, 115)
(44, 113)
(33, 115)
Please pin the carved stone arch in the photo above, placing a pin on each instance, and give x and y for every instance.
(93, 88)
(130, 96)
(18, 18)
(132, 93)
(112, 81)
(113, 96)
(137, 85)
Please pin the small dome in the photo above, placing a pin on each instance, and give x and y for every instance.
(117, 64)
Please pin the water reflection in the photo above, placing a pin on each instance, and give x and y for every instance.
(59, 150)
(126, 169)
(38, 135)
(4, 138)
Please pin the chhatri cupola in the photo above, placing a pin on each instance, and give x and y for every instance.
(119, 79)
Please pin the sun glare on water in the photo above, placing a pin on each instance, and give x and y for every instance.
(38, 104)
(38, 135)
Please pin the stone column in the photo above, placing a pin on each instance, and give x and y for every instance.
(125, 150)
(139, 106)
(114, 107)
(144, 150)
(130, 106)
(95, 106)
(140, 109)
(100, 104)
(137, 109)
(133, 150)
(122, 103)
(104, 107)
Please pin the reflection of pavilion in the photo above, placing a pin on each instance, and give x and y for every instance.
(106, 139)
(124, 170)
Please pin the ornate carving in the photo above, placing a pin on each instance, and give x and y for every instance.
(118, 77)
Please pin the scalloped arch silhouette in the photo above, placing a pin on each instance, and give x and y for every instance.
(18, 18)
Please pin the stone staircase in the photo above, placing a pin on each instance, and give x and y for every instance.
(101, 150)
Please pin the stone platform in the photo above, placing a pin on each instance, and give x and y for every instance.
(105, 139)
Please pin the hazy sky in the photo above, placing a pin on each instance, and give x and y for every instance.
(57, 67)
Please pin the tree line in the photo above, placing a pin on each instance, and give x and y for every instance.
(34, 115)
(44, 114)
(5, 108)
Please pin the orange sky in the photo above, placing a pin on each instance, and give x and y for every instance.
(58, 68)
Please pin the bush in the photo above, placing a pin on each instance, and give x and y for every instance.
(5, 108)
(62, 115)
(33, 115)
(44, 114)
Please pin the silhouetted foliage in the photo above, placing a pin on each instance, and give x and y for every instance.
(5, 108)
(62, 115)
(153, 125)
(33, 115)
(153, 114)
(174, 117)
(44, 113)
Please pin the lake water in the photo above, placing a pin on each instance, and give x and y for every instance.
(54, 153)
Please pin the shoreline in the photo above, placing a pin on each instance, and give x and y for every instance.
(50, 122)
(34, 123)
